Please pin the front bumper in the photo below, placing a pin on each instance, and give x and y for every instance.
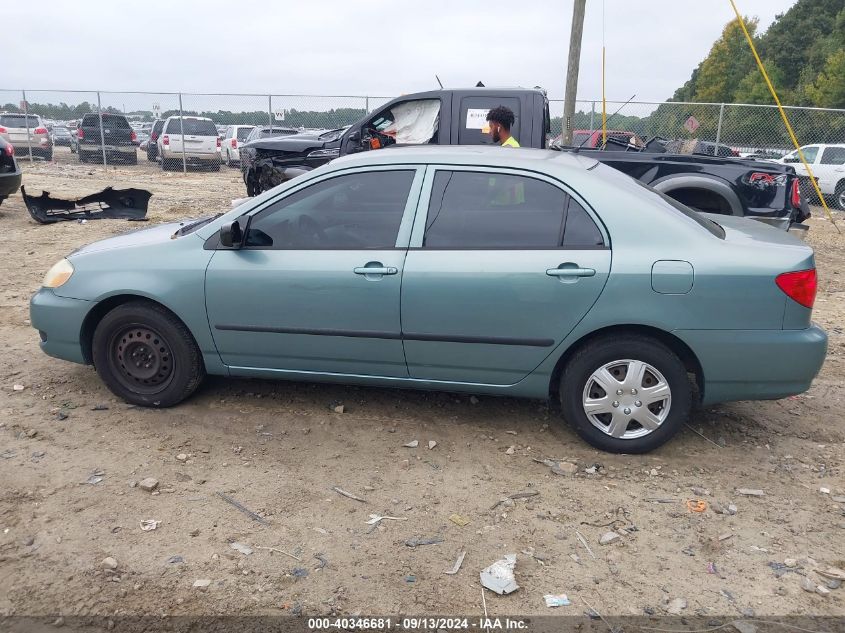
(756, 364)
(59, 324)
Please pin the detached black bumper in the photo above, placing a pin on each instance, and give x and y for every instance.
(10, 182)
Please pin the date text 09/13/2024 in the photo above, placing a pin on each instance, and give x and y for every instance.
(417, 623)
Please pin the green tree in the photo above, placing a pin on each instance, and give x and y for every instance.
(828, 90)
(727, 63)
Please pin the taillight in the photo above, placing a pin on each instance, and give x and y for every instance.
(234, 143)
(40, 130)
(133, 136)
(218, 142)
(800, 286)
(3, 130)
(154, 137)
(795, 195)
(10, 150)
(80, 133)
(165, 140)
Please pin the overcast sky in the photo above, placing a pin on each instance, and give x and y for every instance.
(374, 47)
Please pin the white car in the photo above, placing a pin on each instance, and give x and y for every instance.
(197, 136)
(233, 138)
(828, 165)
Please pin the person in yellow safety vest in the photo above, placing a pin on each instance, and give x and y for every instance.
(501, 119)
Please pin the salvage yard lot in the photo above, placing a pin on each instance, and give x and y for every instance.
(279, 449)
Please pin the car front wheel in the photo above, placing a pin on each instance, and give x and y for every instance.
(626, 394)
(146, 355)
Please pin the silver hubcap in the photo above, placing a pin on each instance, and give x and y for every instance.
(842, 200)
(627, 399)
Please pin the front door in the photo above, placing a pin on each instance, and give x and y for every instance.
(316, 286)
(499, 272)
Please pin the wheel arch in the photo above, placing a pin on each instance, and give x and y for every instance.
(101, 309)
(676, 345)
(707, 184)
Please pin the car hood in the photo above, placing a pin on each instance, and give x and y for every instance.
(152, 235)
(292, 143)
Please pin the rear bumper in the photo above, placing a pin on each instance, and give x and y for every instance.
(756, 364)
(9, 183)
(59, 323)
(191, 156)
(111, 150)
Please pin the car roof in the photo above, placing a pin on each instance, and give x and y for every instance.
(477, 155)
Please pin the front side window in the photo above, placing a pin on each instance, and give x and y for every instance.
(353, 211)
(503, 211)
(406, 123)
(833, 156)
(810, 154)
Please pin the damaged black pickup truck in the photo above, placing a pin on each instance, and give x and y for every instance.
(766, 191)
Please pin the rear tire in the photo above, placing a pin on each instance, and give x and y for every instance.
(146, 355)
(839, 196)
(636, 413)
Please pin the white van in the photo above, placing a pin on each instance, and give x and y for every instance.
(198, 136)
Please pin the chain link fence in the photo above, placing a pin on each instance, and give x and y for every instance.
(728, 129)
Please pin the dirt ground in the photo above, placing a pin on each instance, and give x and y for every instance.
(279, 448)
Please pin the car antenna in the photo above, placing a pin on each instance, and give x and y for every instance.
(438, 81)
(606, 120)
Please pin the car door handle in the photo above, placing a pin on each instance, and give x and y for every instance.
(375, 270)
(571, 272)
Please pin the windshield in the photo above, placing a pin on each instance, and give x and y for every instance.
(243, 132)
(333, 135)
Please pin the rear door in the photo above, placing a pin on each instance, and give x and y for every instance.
(200, 136)
(116, 130)
(501, 268)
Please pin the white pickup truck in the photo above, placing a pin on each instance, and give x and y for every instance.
(828, 165)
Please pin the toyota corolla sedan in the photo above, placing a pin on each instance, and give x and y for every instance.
(514, 272)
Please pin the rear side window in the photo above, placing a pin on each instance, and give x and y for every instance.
(580, 230)
(473, 119)
(19, 120)
(485, 210)
(192, 127)
(243, 132)
(833, 156)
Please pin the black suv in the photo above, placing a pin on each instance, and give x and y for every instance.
(10, 175)
(117, 138)
(152, 143)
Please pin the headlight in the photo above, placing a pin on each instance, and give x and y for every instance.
(334, 152)
(58, 274)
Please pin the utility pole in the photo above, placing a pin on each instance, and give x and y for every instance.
(578, 10)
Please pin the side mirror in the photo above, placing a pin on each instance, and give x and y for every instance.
(355, 137)
(231, 235)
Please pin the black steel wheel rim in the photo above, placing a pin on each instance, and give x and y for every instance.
(141, 359)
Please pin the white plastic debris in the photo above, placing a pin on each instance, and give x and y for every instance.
(18, 387)
(559, 600)
(246, 550)
(148, 525)
(431, 444)
(412, 444)
(499, 577)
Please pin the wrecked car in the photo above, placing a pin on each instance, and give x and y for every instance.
(10, 174)
(436, 117)
(113, 204)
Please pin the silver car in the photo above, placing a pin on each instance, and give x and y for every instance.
(26, 131)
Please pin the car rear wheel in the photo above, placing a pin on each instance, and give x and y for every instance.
(839, 196)
(146, 355)
(625, 394)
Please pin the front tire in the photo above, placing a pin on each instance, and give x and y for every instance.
(146, 355)
(626, 394)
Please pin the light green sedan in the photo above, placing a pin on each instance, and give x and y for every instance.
(487, 270)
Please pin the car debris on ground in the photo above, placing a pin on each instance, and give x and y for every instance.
(114, 204)
(499, 577)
